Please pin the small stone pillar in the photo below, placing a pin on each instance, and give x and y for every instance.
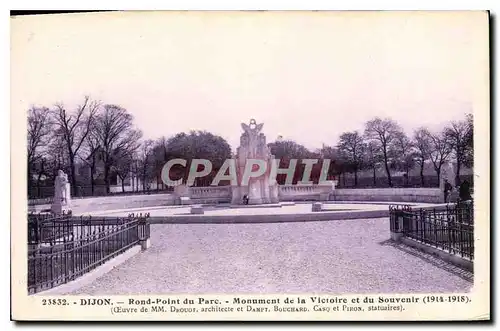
(197, 210)
(182, 194)
(317, 206)
(143, 232)
(396, 220)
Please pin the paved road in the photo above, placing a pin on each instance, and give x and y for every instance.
(337, 257)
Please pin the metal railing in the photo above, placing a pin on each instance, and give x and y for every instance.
(450, 229)
(61, 249)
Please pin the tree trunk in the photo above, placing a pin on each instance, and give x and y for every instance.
(30, 181)
(355, 178)
(386, 162)
(73, 174)
(374, 176)
(457, 177)
(123, 184)
(92, 172)
(422, 173)
(38, 184)
(92, 181)
(106, 177)
(144, 182)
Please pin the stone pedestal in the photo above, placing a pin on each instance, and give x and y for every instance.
(197, 210)
(448, 173)
(274, 192)
(60, 208)
(182, 195)
(184, 201)
(317, 206)
(237, 193)
(145, 244)
(395, 236)
(62, 195)
(324, 196)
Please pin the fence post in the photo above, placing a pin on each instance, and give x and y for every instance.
(143, 229)
(395, 219)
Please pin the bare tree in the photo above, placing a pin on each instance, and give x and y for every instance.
(469, 141)
(39, 130)
(384, 131)
(145, 157)
(351, 146)
(160, 156)
(439, 152)
(422, 146)
(373, 157)
(136, 172)
(123, 165)
(57, 154)
(74, 128)
(336, 162)
(404, 153)
(457, 135)
(91, 154)
(115, 133)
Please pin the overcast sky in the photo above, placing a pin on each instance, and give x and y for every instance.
(307, 76)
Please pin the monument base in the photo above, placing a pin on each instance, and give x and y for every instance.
(324, 196)
(236, 196)
(197, 210)
(317, 206)
(257, 201)
(182, 195)
(183, 201)
(59, 209)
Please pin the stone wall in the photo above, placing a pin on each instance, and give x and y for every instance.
(79, 206)
(222, 194)
(429, 195)
(304, 192)
(210, 194)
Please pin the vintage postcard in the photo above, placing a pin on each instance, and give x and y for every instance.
(321, 166)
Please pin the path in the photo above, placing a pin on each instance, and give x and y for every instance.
(336, 257)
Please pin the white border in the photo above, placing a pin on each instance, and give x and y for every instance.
(200, 4)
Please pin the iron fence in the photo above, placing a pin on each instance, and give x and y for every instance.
(450, 229)
(61, 249)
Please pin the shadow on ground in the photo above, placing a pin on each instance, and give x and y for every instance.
(432, 259)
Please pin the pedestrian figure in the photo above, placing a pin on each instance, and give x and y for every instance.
(245, 199)
(447, 189)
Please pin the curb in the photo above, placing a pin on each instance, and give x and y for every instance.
(271, 218)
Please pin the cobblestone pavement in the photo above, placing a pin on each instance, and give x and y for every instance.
(336, 257)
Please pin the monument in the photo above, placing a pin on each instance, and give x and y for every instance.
(257, 190)
(448, 173)
(62, 194)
